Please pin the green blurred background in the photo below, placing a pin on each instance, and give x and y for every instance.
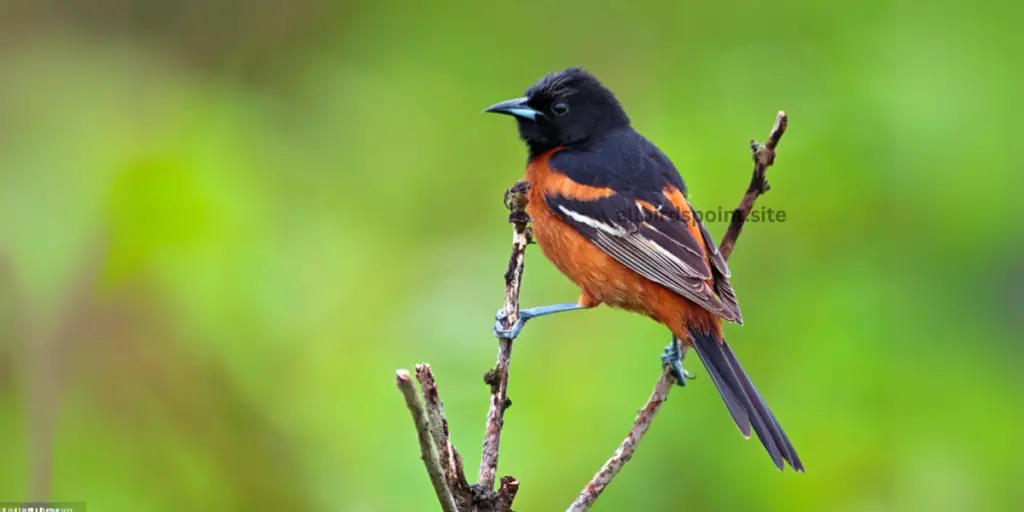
(223, 227)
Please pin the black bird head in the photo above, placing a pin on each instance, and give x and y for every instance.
(564, 108)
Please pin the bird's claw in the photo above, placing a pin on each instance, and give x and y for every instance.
(499, 325)
(672, 358)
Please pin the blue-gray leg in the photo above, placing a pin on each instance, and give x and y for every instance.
(527, 314)
(673, 358)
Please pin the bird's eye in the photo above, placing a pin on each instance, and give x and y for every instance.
(560, 108)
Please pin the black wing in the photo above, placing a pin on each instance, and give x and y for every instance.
(653, 238)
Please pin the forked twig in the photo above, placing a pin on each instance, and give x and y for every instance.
(427, 452)
(451, 461)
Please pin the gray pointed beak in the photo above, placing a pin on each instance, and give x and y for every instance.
(517, 107)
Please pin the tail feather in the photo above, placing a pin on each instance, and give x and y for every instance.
(737, 409)
(745, 404)
(788, 452)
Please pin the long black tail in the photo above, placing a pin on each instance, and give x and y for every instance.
(744, 402)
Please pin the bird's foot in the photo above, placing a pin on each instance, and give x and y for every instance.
(526, 314)
(499, 324)
(673, 359)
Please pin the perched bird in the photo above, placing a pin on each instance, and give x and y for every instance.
(611, 212)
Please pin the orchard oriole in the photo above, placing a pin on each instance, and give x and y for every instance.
(611, 212)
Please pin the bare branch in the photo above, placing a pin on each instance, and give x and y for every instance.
(451, 461)
(764, 157)
(497, 378)
(445, 466)
(427, 453)
(624, 452)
